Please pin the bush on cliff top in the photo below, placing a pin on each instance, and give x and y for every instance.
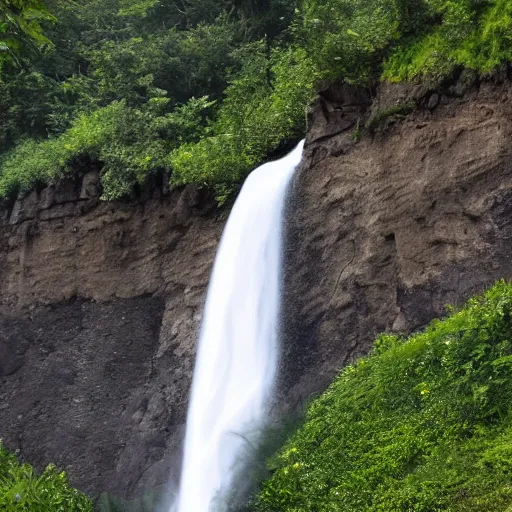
(22, 490)
(471, 34)
(139, 75)
(422, 424)
(131, 143)
(257, 115)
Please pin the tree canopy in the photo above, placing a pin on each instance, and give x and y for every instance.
(21, 29)
(200, 90)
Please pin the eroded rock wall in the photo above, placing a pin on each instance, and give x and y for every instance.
(99, 309)
(387, 230)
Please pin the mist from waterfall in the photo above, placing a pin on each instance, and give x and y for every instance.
(237, 354)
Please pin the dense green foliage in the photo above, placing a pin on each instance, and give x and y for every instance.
(473, 34)
(422, 424)
(22, 490)
(254, 119)
(20, 29)
(130, 142)
(203, 91)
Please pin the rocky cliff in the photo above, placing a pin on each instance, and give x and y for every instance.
(100, 302)
(388, 226)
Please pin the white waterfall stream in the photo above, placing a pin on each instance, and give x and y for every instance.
(237, 355)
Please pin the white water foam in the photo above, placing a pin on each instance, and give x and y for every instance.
(238, 347)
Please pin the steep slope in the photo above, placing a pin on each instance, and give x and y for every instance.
(421, 424)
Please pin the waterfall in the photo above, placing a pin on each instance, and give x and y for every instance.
(237, 354)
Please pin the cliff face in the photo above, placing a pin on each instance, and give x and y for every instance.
(388, 230)
(100, 302)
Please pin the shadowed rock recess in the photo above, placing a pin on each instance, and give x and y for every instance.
(100, 303)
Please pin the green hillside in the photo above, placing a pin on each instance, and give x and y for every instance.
(23, 490)
(422, 424)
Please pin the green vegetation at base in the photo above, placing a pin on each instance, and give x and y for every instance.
(423, 424)
(204, 91)
(22, 490)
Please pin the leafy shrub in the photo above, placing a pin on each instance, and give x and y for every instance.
(472, 34)
(21, 489)
(21, 116)
(420, 424)
(349, 39)
(21, 29)
(131, 143)
(176, 63)
(406, 39)
(264, 105)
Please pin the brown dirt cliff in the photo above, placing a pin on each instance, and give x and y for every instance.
(402, 205)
